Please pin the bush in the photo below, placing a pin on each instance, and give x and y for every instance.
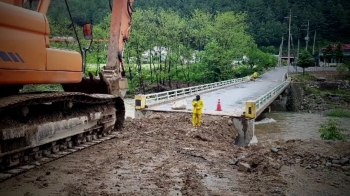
(330, 130)
(338, 113)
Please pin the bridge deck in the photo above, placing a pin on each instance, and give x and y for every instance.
(233, 98)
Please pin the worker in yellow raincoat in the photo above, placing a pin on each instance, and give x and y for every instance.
(197, 104)
(255, 75)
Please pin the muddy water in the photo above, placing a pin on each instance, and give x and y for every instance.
(288, 125)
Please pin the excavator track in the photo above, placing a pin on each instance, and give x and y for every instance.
(38, 128)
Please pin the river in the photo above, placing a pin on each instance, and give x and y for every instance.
(291, 125)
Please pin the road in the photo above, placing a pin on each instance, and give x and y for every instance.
(233, 98)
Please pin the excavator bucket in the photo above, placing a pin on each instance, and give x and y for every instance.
(99, 85)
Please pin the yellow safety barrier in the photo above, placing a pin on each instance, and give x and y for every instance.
(250, 109)
(140, 102)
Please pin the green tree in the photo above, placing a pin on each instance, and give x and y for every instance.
(305, 60)
(328, 53)
(338, 53)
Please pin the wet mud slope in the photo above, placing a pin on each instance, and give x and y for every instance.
(160, 155)
(164, 155)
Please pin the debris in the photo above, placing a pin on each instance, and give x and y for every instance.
(234, 161)
(243, 167)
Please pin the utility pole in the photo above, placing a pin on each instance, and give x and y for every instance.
(296, 67)
(280, 53)
(307, 35)
(313, 47)
(290, 20)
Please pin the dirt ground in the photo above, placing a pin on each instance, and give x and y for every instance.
(164, 155)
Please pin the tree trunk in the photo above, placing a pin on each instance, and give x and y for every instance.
(150, 65)
(169, 69)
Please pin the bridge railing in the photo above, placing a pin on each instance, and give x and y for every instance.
(156, 98)
(253, 106)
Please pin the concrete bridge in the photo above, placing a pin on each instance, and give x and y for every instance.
(241, 99)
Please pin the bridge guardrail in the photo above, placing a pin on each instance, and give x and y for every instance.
(141, 101)
(253, 106)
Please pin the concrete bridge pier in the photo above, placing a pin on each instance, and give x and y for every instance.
(245, 128)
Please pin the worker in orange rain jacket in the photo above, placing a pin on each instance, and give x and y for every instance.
(197, 104)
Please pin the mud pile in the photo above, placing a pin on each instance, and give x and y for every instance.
(318, 155)
(179, 126)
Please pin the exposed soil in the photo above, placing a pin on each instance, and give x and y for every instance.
(164, 155)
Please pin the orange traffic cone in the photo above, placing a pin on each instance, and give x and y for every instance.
(218, 106)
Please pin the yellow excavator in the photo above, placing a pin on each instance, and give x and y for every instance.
(38, 124)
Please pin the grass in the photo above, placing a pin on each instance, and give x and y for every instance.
(303, 77)
(338, 113)
(330, 130)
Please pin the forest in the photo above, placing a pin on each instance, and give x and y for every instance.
(202, 39)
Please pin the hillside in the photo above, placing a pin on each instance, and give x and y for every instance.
(331, 18)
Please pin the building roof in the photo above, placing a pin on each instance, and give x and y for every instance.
(334, 46)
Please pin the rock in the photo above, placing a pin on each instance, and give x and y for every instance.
(128, 118)
(40, 178)
(275, 150)
(346, 168)
(275, 165)
(156, 116)
(243, 167)
(229, 122)
(257, 160)
(344, 161)
(328, 164)
(103, 186)
(308, 167)
(329, 85)
(234, 161)
(297, 160)
(336, 161)
(320, 79)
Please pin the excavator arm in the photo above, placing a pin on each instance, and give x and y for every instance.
(111, 79)
(119, 34)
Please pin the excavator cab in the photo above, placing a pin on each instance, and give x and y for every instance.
(27, 58)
